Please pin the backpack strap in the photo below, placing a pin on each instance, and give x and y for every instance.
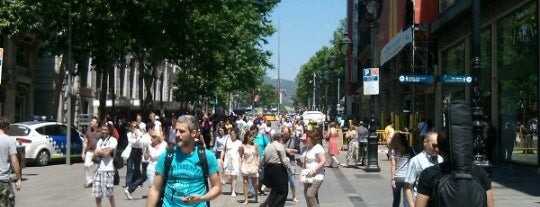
(168, 161)
(204, 164)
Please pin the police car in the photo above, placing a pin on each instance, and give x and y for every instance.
(45, 140)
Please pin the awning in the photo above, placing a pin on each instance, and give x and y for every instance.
(395, 45)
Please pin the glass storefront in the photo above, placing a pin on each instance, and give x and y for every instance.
(453, 63)
(517, 60)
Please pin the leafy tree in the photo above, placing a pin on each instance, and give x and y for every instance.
(327, 65)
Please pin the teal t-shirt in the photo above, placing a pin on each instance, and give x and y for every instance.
(262, 141)
(185, 176)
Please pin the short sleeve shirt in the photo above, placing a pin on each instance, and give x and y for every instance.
(106, 163)
(427, 178)
(416, 165)
(7, 148)
(185, 176)
(312, 160)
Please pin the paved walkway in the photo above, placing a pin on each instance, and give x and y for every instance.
(61, 185)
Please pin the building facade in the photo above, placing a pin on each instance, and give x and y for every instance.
(29, 80)
(432, 40)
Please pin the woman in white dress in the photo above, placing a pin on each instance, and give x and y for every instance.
(249, 155)
(231, 158)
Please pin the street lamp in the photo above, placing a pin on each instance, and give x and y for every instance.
(480, 158)
(373, 8)
(331, 62)
(346, 48)
(314, 88)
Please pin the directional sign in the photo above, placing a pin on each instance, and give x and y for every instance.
(371, 81)
(460, 79)
(416, 79)
(1, 61)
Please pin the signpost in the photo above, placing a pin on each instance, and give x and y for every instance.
(458, 79)
(1, 61)
(428, 79)
(371, 81)
(425, 79)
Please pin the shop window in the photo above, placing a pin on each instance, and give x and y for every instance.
(485, 60)
(453, 63)
(517, 60)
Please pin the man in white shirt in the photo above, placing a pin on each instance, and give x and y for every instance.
(427, 158)
(240, 123)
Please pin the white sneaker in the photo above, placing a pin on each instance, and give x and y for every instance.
(128, 194)
(233, 194)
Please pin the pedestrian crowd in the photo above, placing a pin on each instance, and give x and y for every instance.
(177, 158)
(190, 160)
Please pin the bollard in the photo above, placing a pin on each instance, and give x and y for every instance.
(373, 154)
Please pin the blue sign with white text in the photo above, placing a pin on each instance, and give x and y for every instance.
(461, 79)
(426, 79)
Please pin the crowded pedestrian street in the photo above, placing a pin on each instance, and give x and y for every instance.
(60, 185)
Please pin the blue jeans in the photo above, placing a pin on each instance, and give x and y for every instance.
(292, 179)
(133, 170)
(400, 182)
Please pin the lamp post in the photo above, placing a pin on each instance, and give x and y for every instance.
(480, 158)
(373, 13)
(346, 44)
(314, 88)
(331, 62)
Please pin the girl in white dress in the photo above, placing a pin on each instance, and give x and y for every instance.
(231, 158)
(249, 154)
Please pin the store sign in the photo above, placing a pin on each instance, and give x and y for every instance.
(371, 81)
(396, 45)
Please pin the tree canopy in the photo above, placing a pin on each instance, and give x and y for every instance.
(216, 44)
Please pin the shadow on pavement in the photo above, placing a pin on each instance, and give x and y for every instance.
(517, 178)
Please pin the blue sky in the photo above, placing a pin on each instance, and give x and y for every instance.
(305, 26)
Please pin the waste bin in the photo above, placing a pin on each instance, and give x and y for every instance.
(21, 155)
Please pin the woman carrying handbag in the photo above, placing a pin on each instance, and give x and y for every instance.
(312, 161)
(249, 163)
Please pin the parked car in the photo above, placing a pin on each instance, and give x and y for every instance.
(45, 140)
(313, 115)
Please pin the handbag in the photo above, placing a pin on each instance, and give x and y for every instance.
(96, 160)
(118, 162)
(249, 168)
(304, 176)
(127, 151)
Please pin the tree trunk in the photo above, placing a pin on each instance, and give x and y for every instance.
(103, 65)
(58, 86)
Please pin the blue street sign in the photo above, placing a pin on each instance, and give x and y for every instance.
(427, 79)
(371, 78)
(460, 79)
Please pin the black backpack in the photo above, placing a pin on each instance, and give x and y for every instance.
(168, 160)
(457, 186)
(458, 189)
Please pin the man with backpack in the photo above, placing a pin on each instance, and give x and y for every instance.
(457, 181)
(430, 181)
(182, 173)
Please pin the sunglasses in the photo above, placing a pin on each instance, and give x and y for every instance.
(433, 145)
